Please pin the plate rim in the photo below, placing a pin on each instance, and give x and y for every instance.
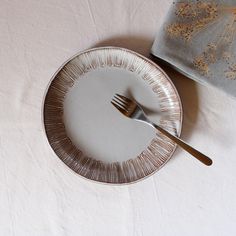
(145, 59)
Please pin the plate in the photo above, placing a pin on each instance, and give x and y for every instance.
(90, 136)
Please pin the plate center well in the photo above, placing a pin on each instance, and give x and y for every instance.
(96, 127)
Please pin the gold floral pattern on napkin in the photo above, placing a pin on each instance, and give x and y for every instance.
(192, 18)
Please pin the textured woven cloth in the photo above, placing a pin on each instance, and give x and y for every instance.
(40, 195)
(198, 39)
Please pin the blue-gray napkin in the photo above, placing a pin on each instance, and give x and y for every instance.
(198, 38)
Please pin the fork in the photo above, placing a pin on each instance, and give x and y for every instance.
(133, 110)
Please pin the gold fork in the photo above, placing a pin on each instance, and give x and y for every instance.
(133, 110)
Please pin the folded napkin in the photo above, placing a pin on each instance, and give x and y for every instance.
(199, 39)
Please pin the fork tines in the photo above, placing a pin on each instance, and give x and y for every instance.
(120, 102)
(125, 105)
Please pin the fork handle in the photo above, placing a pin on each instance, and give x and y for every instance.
(198, 155)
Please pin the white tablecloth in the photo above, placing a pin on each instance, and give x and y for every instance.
(39, 195)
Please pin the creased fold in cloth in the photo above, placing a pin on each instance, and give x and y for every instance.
(199, 39)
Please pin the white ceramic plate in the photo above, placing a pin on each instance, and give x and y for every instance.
(90, 136)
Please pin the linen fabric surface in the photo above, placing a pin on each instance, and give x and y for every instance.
(40, 195)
